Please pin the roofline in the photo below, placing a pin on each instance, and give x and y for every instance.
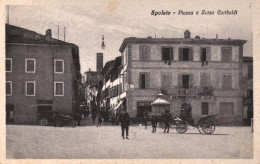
(133, 40)
(50, 43)
(69, 44)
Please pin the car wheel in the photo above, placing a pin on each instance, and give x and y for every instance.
(43, 122)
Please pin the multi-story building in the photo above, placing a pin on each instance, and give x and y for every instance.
(42, 74)
(205, 72)
(247, 86)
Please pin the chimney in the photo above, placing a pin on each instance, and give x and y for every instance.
(48, 35)
(187, 34)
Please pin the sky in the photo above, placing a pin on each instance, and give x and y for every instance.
(87, 21)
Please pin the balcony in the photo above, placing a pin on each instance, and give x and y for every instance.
(196, 92)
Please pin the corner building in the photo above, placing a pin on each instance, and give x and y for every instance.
(42, 74)
(205, 72)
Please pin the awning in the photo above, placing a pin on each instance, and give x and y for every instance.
(118, 105)
(160, 101)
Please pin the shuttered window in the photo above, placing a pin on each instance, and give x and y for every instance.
(144, 53)
(166, 82)
(205, 54)
(226, 54)
(226, 82)
(8, 65)
(30, 88)
(185, 54)
(58, 88)
(8, 85)
(167, 54)
(205, 79)
(144, 80)
(30, 65)
(59, 66)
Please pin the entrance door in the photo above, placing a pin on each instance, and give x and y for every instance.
(9, 113)
(142, 107)
(185, 81)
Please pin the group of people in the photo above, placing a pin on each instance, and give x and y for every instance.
(166, 118)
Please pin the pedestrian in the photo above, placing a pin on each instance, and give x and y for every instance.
(154, 122)
(167, 117)
(99, 119)
(125, 121)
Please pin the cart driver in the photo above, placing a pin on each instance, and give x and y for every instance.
(186, 113)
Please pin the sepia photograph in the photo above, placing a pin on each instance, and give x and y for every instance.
(129, 80)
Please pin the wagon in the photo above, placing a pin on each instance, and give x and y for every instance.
(205, 125)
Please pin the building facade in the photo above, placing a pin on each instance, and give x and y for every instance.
(205, 72)
(42, 74)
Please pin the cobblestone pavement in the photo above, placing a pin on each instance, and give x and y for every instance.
(90, 142)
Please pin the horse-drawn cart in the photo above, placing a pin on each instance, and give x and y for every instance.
(206, 125)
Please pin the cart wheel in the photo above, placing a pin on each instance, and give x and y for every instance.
(208, 127)
(213, 126)
(181, 127)
(200, 128)
(43, 122)
(74, 123)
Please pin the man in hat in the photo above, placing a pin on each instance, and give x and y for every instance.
(167, 117)
(125, 121)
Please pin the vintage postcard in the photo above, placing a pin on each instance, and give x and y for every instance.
(129, 81)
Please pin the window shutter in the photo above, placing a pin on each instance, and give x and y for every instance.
(140, 53)
(208, 52)
(171, 54)
(180, 54)
(147, 80)
(191, 81)
(148, 54)
(180, 81)
(190, 54)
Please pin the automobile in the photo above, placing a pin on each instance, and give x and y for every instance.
(67, 119)
(47, 118)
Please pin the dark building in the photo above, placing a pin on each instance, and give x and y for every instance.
(247, 89)
(42, 74)
(99, 62)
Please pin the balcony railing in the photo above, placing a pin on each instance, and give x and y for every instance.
(191, 92)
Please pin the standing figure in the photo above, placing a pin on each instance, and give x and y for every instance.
(154, 122)
(94, 112)
(125, 121)
(99, 119)
(167, 117)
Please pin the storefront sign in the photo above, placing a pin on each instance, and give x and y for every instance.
(139, 104)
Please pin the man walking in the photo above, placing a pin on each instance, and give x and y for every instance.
(154, 122)
(167, 120)
(125, 121)
(99, 119)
